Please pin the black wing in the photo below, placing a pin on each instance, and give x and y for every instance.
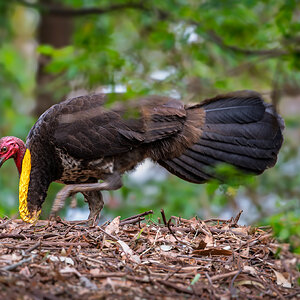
(86, 129)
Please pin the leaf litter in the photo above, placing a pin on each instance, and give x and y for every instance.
(137, 258)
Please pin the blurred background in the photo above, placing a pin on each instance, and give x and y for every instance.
(188, 49)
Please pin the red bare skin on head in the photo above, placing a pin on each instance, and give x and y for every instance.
(12, 147)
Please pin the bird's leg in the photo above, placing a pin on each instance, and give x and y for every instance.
(58, 204)
(73, 203)
(95, 201)
(112, 182)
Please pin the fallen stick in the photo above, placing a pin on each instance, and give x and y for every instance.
(21, 262)
(138, 215)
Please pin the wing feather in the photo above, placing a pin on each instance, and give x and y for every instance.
(86, 129)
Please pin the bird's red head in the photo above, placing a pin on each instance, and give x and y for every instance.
(12, 147)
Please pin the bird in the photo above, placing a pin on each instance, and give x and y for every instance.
(87, 145)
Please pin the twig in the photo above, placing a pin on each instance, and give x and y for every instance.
(212, 291)
(12, 236)
(36, 245)
(58, 244)
(231, 287)
(168, 224)
(108, 234)
(171, 231)
(178, 288)
(276, 291)
(21, 262)
(236, 219)
(233, 222)
(163, 216)
(173, 273)
(3, 225)
(138, 215)
(121, 274)
(215, 220)
(222, 276)
(132, 221)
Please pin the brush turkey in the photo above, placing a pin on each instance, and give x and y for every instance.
(81, 143)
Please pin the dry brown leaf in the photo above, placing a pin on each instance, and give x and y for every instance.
(212, 251)
(281, 280)
(193, 222)
(170, 238)
(10, 258)
(25, 272)
(65, 259)
(209, 240)
(201, 245)
(249, 282)
(250, 270)
(95, 272)
(113, 226)
(68, 269)
(129, 252)
(225, 226)
(241, 230)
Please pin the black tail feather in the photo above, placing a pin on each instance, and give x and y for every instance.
(240, 129)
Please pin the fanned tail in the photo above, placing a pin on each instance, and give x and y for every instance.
(239, 129)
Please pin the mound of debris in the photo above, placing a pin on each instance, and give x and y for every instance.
(137, 258)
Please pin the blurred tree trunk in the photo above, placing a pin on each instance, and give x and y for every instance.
(54, 30)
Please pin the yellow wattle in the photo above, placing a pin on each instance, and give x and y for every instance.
(23, 191)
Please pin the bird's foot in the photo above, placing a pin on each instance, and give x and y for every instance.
(93, 220)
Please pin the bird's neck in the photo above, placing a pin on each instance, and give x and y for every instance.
(20, 155)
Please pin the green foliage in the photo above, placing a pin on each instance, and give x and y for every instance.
(286, 227)
(208, 40)
(16, 85)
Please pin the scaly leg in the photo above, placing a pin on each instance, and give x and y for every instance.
(95, 201)
(113, 182)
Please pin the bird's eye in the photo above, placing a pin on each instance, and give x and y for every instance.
(3, 149)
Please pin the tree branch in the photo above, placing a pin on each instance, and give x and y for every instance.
(261, 52)
(163, 15)
(70, 12)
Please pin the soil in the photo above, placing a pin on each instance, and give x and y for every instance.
(137, 258)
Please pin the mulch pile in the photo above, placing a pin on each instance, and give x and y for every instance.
(137, 258)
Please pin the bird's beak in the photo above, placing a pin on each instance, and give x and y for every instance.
(1, 161)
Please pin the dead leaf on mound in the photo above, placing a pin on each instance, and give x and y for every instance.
(113, 226)
(201, 245)
(244, 230)
(68, 269)
(249, 282)
(65, 259)
(95, 272)
(129, 252)
(111, 229)
(250, 270)
(212, 251)
(281, 280)
(166, 247)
